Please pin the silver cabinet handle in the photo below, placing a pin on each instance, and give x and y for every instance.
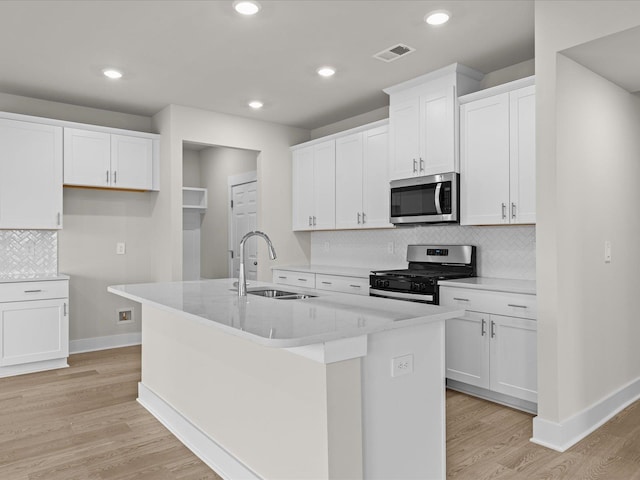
(483, 330)
(107, 177)
(493, 329)
(415, 166)
(310, 220)
(358, 218)
(421, 165)
(314, 221)
(326, 283)
(59, 219)
(461, 299)
(363, 218)
(302, 279)
(355, 286)
(504, 211)
(65, 309)
(115, 177)
(516, 306)
(282, 278)
(513, 210)
(33, 291)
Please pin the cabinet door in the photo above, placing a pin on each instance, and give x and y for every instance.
(467, 349)
(375, 182)
(302, 200)
(514, 357)
(523, 155)
(30, 175)
(131, 162)
(87, 158)
(404, 153)
(324, 191)
(349, 155)
(437, 133)
(484, 169)
(33, 331)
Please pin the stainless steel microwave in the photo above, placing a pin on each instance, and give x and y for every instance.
(430, 199)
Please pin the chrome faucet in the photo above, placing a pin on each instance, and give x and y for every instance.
(242, 278)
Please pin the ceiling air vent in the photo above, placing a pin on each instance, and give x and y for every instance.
(393, 53)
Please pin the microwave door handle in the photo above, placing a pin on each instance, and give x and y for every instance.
(438, 208)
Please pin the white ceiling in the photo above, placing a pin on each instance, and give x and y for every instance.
(203, 54)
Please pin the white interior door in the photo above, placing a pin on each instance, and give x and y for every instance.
(243, 220)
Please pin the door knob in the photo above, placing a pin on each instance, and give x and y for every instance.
(255, 263)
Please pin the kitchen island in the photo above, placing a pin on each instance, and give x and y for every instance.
(329, 386)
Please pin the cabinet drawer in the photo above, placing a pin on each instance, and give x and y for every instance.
(296, 279)
(335, 283)
(498, 303)
(25, 291)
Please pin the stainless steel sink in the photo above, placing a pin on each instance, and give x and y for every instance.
(279, 294)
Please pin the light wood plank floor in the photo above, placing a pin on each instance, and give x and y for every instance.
(83, 423)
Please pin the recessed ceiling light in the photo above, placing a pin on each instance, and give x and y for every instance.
(246, 7)
(326, 71)
(111, 73)
(255, 104)
(437, 17)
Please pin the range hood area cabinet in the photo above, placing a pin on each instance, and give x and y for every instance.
(314, 188)
(423, 119)
(30, 174)
(108, 160)
(341, 181)
(498, 162)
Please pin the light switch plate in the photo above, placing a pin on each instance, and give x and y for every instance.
(607, 251)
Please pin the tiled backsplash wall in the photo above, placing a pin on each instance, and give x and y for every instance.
(503, 251)
(25, 253)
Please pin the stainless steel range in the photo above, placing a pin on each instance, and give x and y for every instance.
(427, 265)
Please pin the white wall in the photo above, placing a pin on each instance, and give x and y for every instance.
(94, 221)
(217, 164)
(191, 174)
(179, 124)
(585, 317)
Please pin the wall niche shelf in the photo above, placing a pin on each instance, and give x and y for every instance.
(194, 199)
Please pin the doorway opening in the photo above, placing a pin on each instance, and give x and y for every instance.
(208, 172)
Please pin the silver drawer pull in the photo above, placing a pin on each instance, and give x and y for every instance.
(355, 286)
(32, 291)
(302, 279)
(326, 283)
(516, 306)
(461, 299)
(282, 278)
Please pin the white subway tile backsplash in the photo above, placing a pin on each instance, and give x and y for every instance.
(503, 251)
(28, 253)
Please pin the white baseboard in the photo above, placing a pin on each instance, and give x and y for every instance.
(206, 449)
(11, 370)
(561, 436)
(104, 343)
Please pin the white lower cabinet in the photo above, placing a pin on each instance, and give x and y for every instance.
(490, 347)
(34, 329)
(321, 281)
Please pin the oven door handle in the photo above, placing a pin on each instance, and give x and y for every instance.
(400, 295)
(437, 199)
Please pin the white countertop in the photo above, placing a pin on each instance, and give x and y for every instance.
(32, 278)
(327, 270)
(283, 323)
(527, 287)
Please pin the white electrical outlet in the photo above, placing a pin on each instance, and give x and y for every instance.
(390, 248)
(121, 248)
(402, 365)
(607, 251)
(125, 315)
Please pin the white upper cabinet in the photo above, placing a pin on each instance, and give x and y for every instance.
(349, 163)
(30, 175)
(98, 159)
(314, 186)
(497, 145)
(423, 120)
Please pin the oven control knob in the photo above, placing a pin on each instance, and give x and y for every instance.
(423, 287)
(386, 283)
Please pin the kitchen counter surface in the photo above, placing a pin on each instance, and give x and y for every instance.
(283, 323)
(31, 278)
(527, 287)
(327, 270)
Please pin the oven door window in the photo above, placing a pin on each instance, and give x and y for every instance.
(420, 200)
